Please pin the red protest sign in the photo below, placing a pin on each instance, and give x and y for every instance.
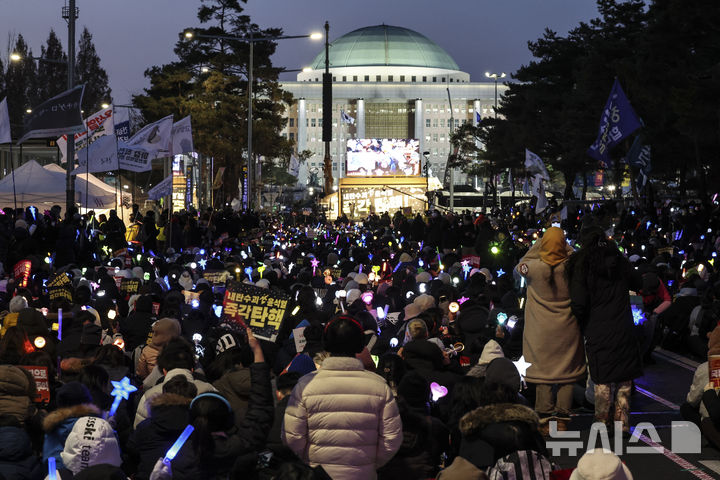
(21, 272)
(42, 383)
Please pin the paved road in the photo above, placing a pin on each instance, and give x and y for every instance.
(660, 392)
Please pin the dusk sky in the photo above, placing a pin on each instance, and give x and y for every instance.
(133, 35)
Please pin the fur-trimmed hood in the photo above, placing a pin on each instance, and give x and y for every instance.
(55, 418)
(473, 422)
(168, 400)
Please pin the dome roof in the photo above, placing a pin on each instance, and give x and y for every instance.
(385, 45)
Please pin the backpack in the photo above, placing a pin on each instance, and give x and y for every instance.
(522, 465)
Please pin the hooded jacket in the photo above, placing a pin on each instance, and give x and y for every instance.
(343, 418)
(59, 424)
(17, 460)
(235, 387)
(91, 442)
(490, 352)
(552, 342)
(136, 327)
(17, 389)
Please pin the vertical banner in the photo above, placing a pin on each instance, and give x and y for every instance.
(121, 120)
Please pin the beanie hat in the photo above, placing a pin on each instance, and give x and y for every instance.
(361, 279)
(91, 442)
(412, 310)
(185, 281)
(262, 283)
(444, 277)
(20, 223)
(302, 364)
(502, 370)
(714, 342)
(414, 389)
(424, 302)
(423, 277)
(352, 295)
(18, 303)
(71, 394)
(138, 273)
(405, 258)
(600, 464)
(351, 285)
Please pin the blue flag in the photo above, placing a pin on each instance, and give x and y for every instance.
(639, 157)
(477, 117)
(618, 120)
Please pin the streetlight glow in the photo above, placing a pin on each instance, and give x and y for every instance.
(307, 69)
(204, 69)
(189, 33)
(105, 105)
(316, 36)
(29, 110)
(15, 57)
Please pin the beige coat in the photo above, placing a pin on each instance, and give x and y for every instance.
(552, 342)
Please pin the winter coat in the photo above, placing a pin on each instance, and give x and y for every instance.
(697, 388)
(136, 327)
(59, 424)
(235, 387)
(17, 389)
(142, 410)
(343, 418)
(490, 352)
(17, 461)
(426, 358)
(147, 361)
(153, 437)
(91, 441)
(601, 304)
(552, 342)
(461, 469)
(494, 431)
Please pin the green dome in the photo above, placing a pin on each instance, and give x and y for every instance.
(385, 45)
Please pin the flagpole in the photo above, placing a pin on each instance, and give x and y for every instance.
(118, 184)
(12, 167)
(87, 165)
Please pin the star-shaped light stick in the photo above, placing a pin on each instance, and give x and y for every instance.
(500, 273)
(121, 389)
(466, 267)
(522, 367)
(314, 262)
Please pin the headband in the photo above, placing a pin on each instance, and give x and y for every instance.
(212, 395)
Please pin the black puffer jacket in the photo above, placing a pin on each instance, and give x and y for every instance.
(17, 460)
(600, 301)
(136, 327)
(494, 431)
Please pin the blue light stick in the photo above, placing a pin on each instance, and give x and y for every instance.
(121, 389)
(52, 472)
(59, 323)
(170, 455)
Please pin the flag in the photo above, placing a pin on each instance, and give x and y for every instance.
(153, 138)
(100, 156)
(477, 117)
(639, 155)
(121, 120)
(182, 140)
(617, 121)
(134, 158)
(96, 125)
(162, 189)
(346, 118)
(61, 114)
(526, 186)
(294, 168)
(4, 122)
(538, 191)
(535, 166)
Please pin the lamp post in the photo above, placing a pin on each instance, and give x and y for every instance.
(190, 34)
(494, 76)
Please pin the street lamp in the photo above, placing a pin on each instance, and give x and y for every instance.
(495, 76)
(190, 34)
(16, 57)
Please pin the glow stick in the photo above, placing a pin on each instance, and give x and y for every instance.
(59, 323)
(52, 472)
(121, 389)
(170, 455)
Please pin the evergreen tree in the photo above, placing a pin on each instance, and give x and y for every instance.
(21, 86)
(89, 72)
(52, 76)
(209, 82)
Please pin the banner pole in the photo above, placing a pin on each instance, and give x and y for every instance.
(87, 165)
(12, 167)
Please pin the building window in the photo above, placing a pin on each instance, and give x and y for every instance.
(292, 136)
(334, 78)
(457, 122)
(451, 79)
(413, 78)
(319, 122)
(427, 138)
(443, 79)
(427, 123)
(354, 78)
(434, 79)
(377, 78)
(307, 122)
(435, 122)
(344, 78)
(435, 139)
(292, 122)
(424, 78)
(390, 78)
(367, 78)
(312, 122)
(402, 78)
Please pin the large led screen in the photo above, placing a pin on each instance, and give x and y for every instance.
(375, 157)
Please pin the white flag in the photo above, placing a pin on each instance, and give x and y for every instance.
(153, 138)
(294, 169)
(4, 122)
(100, 156)
(134, 158)
(534, 165)
(96, 125)
(162, 189)
(539, 191)
(182, 140)
(346, 118)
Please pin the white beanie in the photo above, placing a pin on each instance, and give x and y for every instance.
(424, 302)
(91, 442)
(138, 273)
(423, 277)
(262, 283)
(600, 464)
(18, 303)
(352, 295)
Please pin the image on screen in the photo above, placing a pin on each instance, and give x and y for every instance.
(375, 157)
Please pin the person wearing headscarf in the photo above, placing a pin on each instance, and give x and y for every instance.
(552, 342)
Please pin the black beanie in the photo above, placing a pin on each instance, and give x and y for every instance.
(414, 389)
(71, 394)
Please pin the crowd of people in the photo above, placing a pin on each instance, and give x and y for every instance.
(431, 346)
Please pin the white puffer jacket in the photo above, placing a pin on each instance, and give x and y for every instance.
(343, 418)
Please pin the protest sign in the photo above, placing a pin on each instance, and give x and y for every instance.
(129, 286)
(300, 340)
(21, 273)
(216, 278)
(59, 287)
(714, 366)
(260, 309)
(40, 374)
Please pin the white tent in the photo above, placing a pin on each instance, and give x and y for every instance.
(35, 185)
(54, 167)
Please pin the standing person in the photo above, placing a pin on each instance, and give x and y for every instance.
(343, 417)
(600, 279)
(552, 342)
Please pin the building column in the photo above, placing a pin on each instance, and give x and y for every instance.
(420, 131)
(476, 108)
(360, 121)
(301, 125)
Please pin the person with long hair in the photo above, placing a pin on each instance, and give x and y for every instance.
(600, 279)
(552, 343)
